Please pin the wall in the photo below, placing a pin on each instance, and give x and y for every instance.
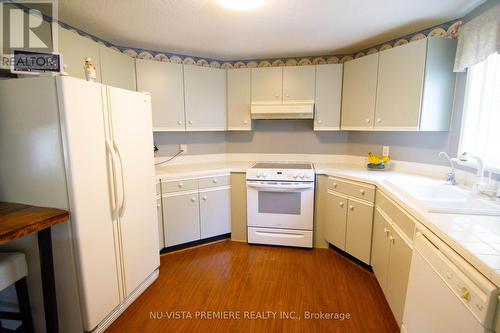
(286, 136)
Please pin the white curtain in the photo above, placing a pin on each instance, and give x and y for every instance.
(481, 119)
(478, 38)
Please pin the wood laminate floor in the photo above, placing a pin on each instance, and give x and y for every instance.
(261, 285)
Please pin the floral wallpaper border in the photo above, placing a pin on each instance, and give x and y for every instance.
(449, 29)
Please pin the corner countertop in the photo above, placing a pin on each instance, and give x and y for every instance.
(476, 238)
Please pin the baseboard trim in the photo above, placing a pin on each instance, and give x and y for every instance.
(351, 258)
(195, 243)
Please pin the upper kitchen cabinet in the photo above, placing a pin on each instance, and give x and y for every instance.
(117, 69)
(165, 82)
(205, 98)
(298, 84)
(406, 88)
(74, 49)
(267, 85)
(359, 93)
(328, 97)
(238, 99)
(400, 82)
(415, 86)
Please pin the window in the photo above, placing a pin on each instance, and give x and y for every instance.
(481, 119)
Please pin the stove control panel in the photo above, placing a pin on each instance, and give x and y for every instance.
(280, 174)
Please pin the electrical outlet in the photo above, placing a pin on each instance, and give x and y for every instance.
(385, 151)
(184, 148)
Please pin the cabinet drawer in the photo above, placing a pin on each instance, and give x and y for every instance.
(385, 204)
(179, 185)
(214, 181)
(404, 222)
(357, 190)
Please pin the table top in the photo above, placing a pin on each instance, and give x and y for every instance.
(18, 220)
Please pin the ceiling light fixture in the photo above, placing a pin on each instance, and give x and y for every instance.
(240, 4)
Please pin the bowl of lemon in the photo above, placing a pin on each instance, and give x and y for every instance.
(378, 163)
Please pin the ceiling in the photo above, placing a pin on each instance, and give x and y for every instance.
(275, 29)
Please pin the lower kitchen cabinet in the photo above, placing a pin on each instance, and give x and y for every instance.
(159, 212)
(196, 208)
(359, 226)
(391, 254)
(380, 249)
(181, 218)
(337, 219)
(349, 220)
(215, 212)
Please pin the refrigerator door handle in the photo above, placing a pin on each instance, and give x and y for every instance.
(123, 202)
(116, 202)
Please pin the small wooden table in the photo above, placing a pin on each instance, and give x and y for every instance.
(18, 220)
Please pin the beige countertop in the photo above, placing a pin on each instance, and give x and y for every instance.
(476, 238)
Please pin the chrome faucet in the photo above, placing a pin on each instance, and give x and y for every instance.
(480, 186)
(451, 176)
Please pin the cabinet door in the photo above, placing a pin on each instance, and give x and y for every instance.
(159, 211)
(298, 84)
(238, 99)
(400, 84)
(117, 69)
(398, 273)
(205, 98)
(165, 82)
(359, 230)
(328, 97)
(74, 49)
(380, 249)
(182, 218)
(358, 92)
(215, 213)
(267, 84)
(336, 216)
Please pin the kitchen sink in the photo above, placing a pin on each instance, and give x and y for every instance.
(436, 197)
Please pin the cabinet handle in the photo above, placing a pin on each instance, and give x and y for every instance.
(362, 192)
(215, 181)
(320, 121)
(287, 95)
(190, 122)
(392, 239)
(334, 185)
(204, 197)
(193, 199)
(386, 231)
(276, 95)
(367, 120)
(341, 204)
(180, 185)
(351, 207)
(179, 122)
(379, 120)
(158, 205)
(245, 122)
(465, 294)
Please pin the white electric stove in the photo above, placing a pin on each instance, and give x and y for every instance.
(280, 203)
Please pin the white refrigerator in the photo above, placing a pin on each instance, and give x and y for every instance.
(88, 148)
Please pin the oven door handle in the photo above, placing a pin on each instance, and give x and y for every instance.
(280, 188)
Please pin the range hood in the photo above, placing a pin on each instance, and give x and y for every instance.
(282, 111)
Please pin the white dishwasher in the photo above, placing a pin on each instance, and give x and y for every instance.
(445, 293)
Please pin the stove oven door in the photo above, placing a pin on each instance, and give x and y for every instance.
(282, 205)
